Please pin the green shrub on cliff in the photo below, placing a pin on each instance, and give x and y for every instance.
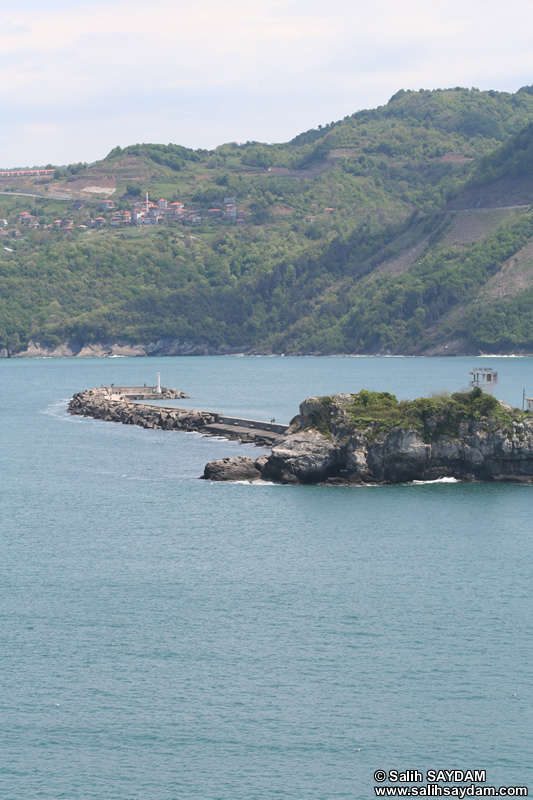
(435, 416)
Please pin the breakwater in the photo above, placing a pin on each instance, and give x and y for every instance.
(111, 404)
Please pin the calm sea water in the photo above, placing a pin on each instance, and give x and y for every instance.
(165, 638)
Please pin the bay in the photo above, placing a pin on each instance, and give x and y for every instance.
(164, 637)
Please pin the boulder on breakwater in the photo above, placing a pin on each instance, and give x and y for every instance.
(371, 438)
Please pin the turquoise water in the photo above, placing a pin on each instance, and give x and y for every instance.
(167, 638)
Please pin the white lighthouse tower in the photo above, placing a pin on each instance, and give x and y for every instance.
(158, 387)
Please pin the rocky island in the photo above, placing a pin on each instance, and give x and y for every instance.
(370, 438)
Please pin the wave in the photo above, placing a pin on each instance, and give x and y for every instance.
(508, 355)
(437, 480)
(57, 409)
(259, 482)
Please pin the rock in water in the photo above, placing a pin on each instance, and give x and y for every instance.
(240, 468)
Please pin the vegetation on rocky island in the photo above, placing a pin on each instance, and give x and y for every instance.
(439, 415)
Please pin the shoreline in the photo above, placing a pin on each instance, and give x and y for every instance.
(174, 348)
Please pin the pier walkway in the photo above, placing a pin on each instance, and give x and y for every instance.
(246, 430)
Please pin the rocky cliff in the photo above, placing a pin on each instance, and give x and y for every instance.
(371, 438)
(163, 347)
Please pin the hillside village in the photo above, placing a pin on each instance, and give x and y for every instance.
(144, 212)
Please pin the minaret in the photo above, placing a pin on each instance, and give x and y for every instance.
(146, 203)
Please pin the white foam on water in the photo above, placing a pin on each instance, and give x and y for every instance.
(259, 482)
(57, 409)
(438, 480)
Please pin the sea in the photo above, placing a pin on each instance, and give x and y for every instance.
(168, 638)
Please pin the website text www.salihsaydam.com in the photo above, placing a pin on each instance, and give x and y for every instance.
(434, 790)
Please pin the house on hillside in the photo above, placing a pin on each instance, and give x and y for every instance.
(148, 213)
(175, 211)
(25, 217)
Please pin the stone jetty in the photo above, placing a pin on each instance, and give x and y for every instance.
(117, 404)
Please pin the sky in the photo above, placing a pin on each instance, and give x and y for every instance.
(78, 78)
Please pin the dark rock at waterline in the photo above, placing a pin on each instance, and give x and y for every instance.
(240, 468)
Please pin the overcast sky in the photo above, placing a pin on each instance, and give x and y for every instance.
(78, 78)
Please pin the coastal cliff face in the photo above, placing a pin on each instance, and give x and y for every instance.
(163, 347)
(371, 438)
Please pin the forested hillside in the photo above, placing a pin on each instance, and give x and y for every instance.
(403, 229)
